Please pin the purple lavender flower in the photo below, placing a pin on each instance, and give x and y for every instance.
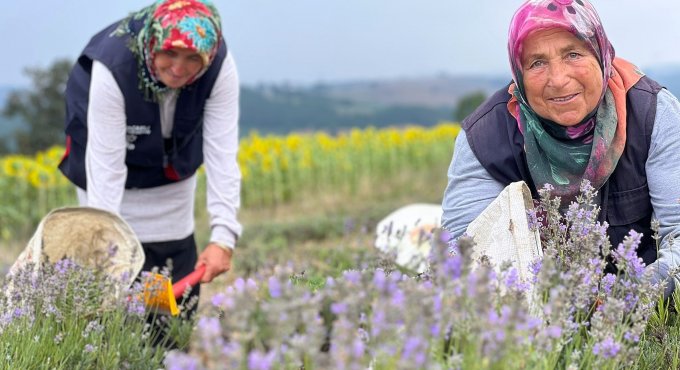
(338, 308)
(251, 284)
(437, 304)
(631, 337)
(379, 279)
(553, 331)
(176, 360)
(274, 287)
(5, 319)
(631, 300)
(92, 326)
(261, 361)
(453, 267)
(135, 305)
(511, 277)
(240, 285)
(608, 348)
(535, 268)
(608, 282)
(445, 236)
(358, 348)
(18, 312)
(530, 323)
(352, 276)
(221, 300)
(378, 322)
(413, 351)
(626, 256)
(513, 281)
(209, 327)
(586, 187)
(398, 298)
(533, 219)
(63, 266)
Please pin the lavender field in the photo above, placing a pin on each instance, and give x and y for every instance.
(310, 291)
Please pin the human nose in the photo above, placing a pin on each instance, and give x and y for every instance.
(558, 75)
(178, 67)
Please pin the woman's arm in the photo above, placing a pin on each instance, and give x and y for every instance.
(220, 147)
(470, 190)
(663, 177)
(106, 144)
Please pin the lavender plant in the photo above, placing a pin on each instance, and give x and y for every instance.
(453, 316)
(65, 316)
(602, 315)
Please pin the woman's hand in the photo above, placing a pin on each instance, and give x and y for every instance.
(217, 260)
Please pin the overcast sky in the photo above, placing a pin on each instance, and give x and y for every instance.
(303, 41)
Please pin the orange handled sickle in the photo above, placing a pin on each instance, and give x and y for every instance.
(161, 295)
(190, 280)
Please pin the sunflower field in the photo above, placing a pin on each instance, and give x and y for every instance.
(275, 169)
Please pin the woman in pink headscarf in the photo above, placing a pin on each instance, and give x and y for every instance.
(574, 112)
(150, 99)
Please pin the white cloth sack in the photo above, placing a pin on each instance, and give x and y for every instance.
(86, 236)
(501, 233)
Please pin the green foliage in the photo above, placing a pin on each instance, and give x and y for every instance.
(41, 107)
(467, 105)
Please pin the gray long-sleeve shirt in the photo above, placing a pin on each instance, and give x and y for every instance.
(471, 188)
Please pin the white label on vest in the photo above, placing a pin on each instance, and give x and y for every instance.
(133, 131)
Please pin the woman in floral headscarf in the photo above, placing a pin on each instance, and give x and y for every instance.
(149, 99)
(574, 112)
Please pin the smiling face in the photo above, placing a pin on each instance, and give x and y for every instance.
(562, 77)
(177, 67)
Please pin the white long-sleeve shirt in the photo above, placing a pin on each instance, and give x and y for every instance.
(166, 212)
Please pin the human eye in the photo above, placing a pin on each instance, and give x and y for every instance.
(573, 55)
(536, 64)
(169, 53)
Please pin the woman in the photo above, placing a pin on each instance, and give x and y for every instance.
(148, 100)
(574, 112)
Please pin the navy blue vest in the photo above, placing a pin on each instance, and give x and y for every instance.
(151, 160)
(497, 143)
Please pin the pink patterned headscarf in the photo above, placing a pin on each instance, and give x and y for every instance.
(564, 156)
(576, 16)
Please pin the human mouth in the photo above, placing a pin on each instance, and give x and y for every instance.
(563, 99)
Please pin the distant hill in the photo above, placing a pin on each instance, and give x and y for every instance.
(280, 109)
(332, 107)
(441, 91)
(668, 76)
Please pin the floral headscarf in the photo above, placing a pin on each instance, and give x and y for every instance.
(563, 156)
(190, 24)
